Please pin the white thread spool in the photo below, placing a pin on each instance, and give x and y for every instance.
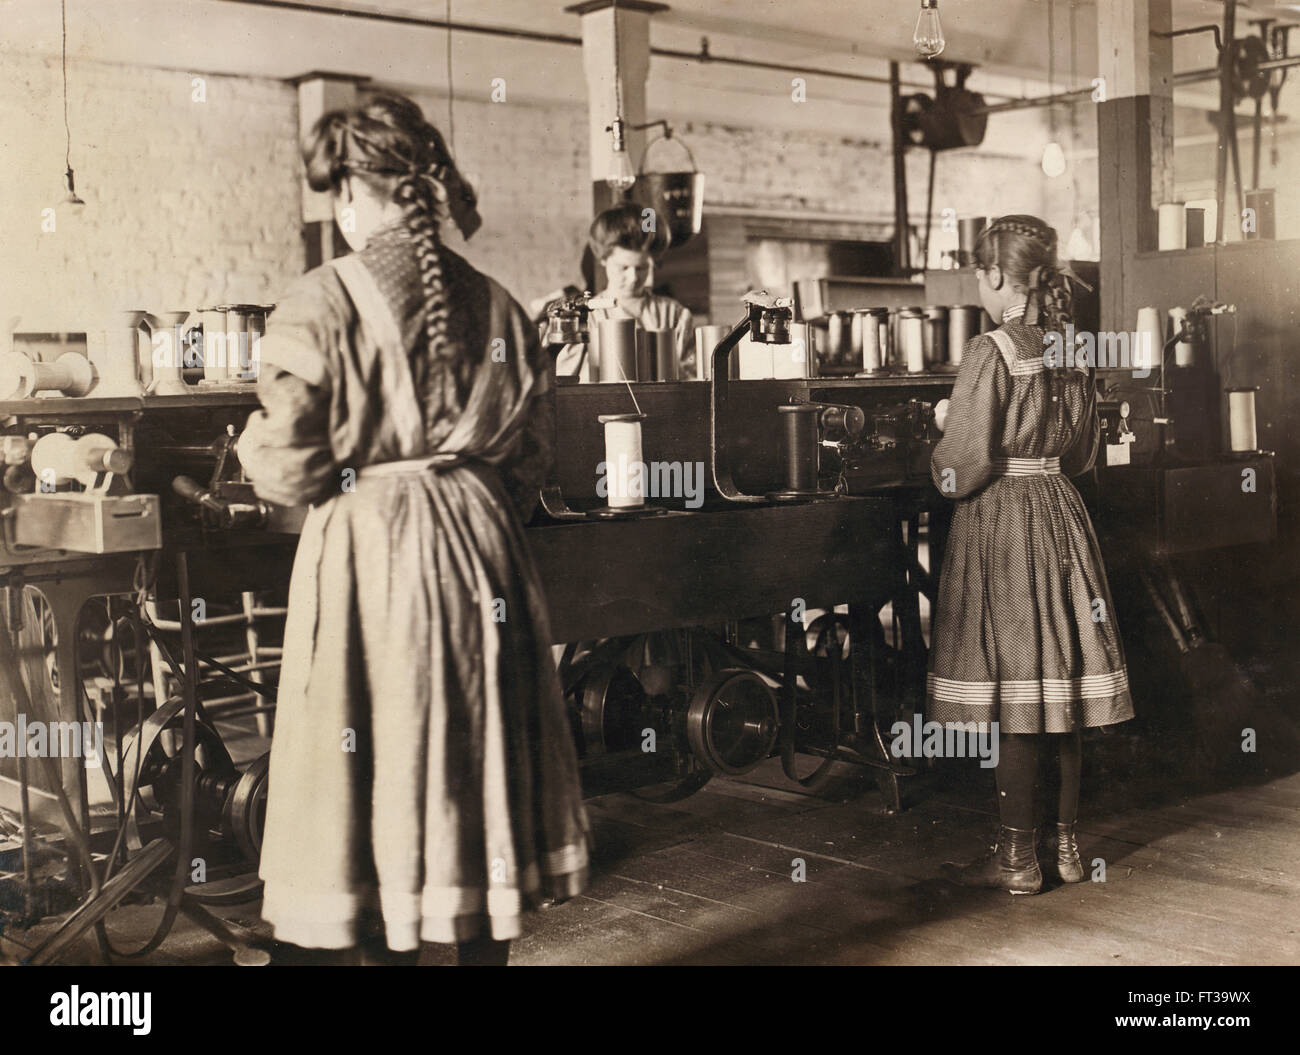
(237, 341)
(1173, 225)
(911, 335)
(58, 458)
(215, 352)
(706, 339)
(794, 359)
(624, 471)
(1184, 352)
(70, 375)
(1145, 355)
(118, 360)
(1242, 437)
(167, 353)
(256, 331)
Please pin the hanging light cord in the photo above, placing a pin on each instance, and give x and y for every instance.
(451, 91)
(67, 129)
(1051, 66)
(618, 79)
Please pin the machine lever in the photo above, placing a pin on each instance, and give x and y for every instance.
(227, 513)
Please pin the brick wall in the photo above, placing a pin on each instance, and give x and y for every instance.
(190, 203)
(187, 203)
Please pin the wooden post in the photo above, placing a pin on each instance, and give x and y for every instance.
(1135, 149)
(610, 29)
(318, 93)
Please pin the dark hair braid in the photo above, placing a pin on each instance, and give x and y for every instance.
(1024, 247)
(387, 143)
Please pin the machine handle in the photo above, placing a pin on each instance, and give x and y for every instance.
(229, 514)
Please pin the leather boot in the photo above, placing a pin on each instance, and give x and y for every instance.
(1069, 868)
(1012, 865)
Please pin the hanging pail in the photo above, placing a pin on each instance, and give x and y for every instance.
(677, 197)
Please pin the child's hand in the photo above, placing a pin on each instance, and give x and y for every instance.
(940, 414)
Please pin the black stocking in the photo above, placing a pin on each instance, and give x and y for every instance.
(1068, 773)
(482, 952)
(1017, 774)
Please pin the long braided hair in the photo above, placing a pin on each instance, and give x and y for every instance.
(1024, 248)
(389, 145)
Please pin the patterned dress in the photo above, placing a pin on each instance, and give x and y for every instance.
(1024, 631)
(422, 767)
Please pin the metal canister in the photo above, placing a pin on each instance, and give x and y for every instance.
(968, 232)
(660, 355)
(911, 340)
(934, 336)
(963, 324)
(256, 331)
(236, 340)
(214, 343)
(618, 349)
(873, 325)
(839, 339)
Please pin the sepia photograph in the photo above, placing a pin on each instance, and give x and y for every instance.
(620, 483)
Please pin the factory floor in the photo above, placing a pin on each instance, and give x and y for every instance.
(1208, 878)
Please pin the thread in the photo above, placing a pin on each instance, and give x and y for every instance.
(618, 346)
(911, 340)
(1241, 419)
(117, 360)
(167, 356)
(215, 350)
(1173, 225)
(873, 348)
(237, 341)
(1145, 355)
(708, 338)
(70, 375)
(1184, 351)
(800, 446)
(624, 470)
(839, 339)
(794, 360)
(58, 458)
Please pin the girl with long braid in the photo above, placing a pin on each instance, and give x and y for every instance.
(424, 785)
(1024, 631)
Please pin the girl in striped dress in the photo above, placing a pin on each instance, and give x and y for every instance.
(424, 783)
(1024, 631)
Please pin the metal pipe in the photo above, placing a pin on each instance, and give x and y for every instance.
(902, 258)
(702, 56)
(1085, 94)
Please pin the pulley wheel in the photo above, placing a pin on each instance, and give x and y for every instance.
(160, 756)
(732, 722)
(613, 710)
(244, 815)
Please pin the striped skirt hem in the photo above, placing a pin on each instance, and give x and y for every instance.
(332, 920)
(1045, 705)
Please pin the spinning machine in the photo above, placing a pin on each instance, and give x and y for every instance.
(730, 615)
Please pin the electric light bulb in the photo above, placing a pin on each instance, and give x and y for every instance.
(928, 36)
(1053, 160)
(1078, 248)
(621, 175)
